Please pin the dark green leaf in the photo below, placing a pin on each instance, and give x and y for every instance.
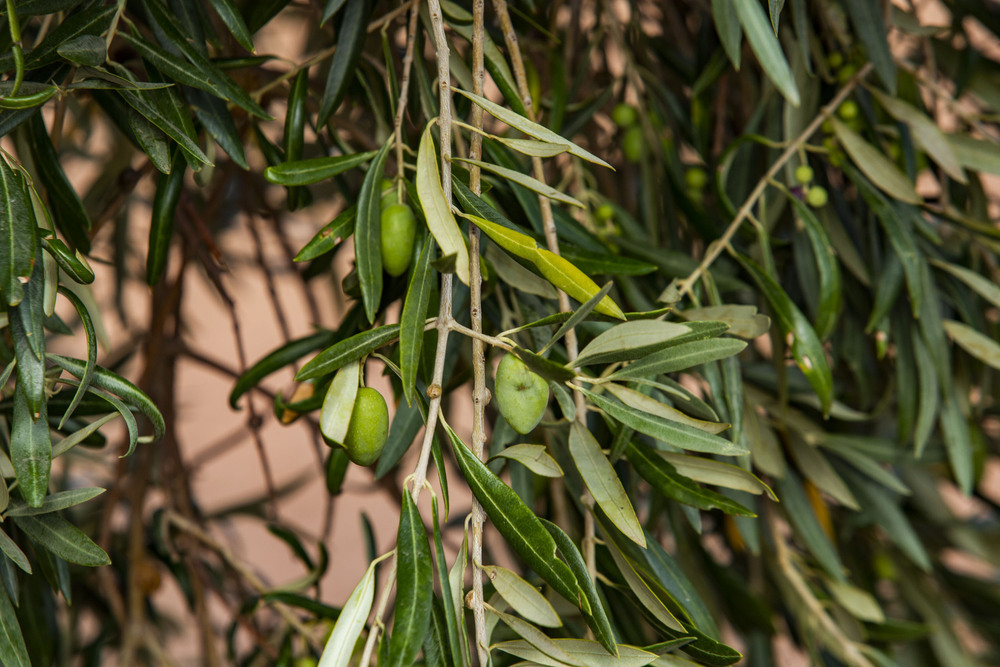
(276, 360)
(117, 385)
(17, 235)
(517, 523)
(161, 229)
(212, 113)
(664, 478)
(231, 16)
(871, 30)
(350, 42)
(13, 552)
(678, 356)
(411, 331)
(305, 172)
(92, 21)
(347, 351)
(222, 82)
(806, 346)
(327, 238)
(830, 299)
(368, 235)
(414, 586)
(55, 502)
(91, 334)
(63, 539)
(807, 527)
(13, 652)
(670, 432)
(67, 209)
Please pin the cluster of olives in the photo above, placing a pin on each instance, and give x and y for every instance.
(816, 195)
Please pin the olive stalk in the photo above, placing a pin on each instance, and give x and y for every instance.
(444, 312)
(480, 395)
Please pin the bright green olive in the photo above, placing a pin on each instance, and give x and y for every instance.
(803, 174)
(835, 60)
(604, 212)
(624, 115)
(695, 178)
(369, 427)
(390, 196)
(633, 144)
(521, 394)
(848, 110)
(399, 230)
(817, 196)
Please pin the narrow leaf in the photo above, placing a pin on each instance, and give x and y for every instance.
(522, 597)
(526, 181)
(602, 481)
(368, 235)
(437, 211)
(307, 172)
(805, 344)
(516, 522)
(530, 128)
(414, 586)
(767, 48)
(62, 539)
(629, 340)
(673, 433)
(982, 347)
(350, 42)
(881, 170)
(348, 350)
(534, 458)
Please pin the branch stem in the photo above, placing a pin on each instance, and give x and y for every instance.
(716, 247)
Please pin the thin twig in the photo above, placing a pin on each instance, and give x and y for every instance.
(444, 311)
(720, 244)
(194, 530)
(404, 93)
(480, 395)
(552, 241)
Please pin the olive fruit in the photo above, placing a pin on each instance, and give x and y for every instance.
(604, 212)
(624, 115)
(696, 178)
(389, 195)
(817, 196)
(399, 230)
(848, 110)
(804, 174)
(633, 144)
(369, 427)
(521, 394)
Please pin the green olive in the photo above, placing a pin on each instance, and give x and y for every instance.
(804, 174)
(369, 427)
(848, 110)
(633, 144)
(390, 196)
(624, 115)
(604, 212)
(695, 178)
(817, 196)
(399, 230)
(521, 394)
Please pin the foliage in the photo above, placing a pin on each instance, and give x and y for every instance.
(777, 374)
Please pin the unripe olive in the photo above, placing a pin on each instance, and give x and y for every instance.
(846, 72)
(521, 394)
(624, 115)
(390, 195)
(835, 59)
(369, 427)
(399, 230)
(604, 212)
(804, 174)
(695, 178)
(817, 196)
(633, 144)
(848, 110)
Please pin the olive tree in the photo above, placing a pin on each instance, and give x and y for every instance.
(735, 264)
